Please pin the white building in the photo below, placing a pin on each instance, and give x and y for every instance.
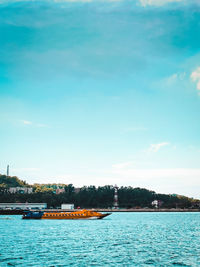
(157, 203)
(22, 190)
(23, 206)
(67, 206)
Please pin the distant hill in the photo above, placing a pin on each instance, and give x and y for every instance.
(91, 196)
(8, 181)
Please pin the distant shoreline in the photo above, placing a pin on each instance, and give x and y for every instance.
(148, 210)
(21, 212)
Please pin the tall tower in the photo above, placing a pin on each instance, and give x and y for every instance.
(116, 206)
(7, 170)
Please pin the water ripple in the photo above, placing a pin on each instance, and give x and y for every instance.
(123, 239)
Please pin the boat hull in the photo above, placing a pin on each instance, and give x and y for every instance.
(77, 215)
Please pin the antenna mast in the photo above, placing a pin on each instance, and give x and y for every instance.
(7, 170)
(116, 205)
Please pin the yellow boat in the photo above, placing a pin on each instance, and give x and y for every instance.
(81, 214)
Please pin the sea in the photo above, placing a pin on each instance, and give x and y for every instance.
(121, 239)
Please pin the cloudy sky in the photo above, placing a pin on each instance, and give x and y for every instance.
(101, 92)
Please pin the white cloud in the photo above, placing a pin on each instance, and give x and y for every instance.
(183, 181)
(25, 170)
(158, 173)
(122, 165)
(156, 147)
(27, 122)
(176, 77)
(40, 125)
(195, 77)
(144, 3)
(15, 1)
(157, 2)
(173, 77)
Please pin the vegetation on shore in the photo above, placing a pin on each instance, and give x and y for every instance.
(10, 181)
(90, 196)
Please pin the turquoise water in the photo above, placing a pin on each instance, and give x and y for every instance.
(122, 239)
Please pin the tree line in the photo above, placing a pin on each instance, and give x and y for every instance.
(91, 196)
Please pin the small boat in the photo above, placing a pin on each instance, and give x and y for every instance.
(81, 214)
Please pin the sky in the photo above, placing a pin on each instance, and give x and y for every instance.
(101, 92)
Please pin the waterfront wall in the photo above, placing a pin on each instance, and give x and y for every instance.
(18, 212)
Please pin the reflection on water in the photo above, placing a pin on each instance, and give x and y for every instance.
(122, 239)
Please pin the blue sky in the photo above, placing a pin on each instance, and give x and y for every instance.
(101, 92)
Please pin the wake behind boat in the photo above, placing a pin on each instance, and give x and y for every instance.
(82, 214)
